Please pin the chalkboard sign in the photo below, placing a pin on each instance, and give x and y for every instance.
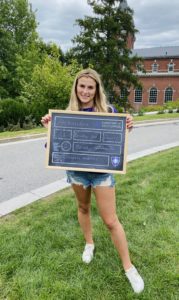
(87, 141)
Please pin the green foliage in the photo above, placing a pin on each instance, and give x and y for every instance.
(141, 112)
(170, 110)
(52, 50)
(25, 65)
(119, 108)
(172, 104)
(161, 108)
(121, 103)
(12, 112)
(151, 108)
(161, 111)
(102, 42)
(17, 35)
(49, 87)
(30, 69)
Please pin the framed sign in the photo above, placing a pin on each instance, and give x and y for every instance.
(87, 141)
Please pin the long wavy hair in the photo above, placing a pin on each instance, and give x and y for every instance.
(100, 101)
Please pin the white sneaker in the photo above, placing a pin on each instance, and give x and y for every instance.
(88, 253)
(135, 280)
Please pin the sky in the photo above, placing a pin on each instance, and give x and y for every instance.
(156, 20)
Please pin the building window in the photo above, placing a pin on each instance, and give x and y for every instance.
(168, 94)
(138, 95)
(171, 67)
(153, 95)
(155, 67)
(124, 93)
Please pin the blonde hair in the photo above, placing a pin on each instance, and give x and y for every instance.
(100, 101)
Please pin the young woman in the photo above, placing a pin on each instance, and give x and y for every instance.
(88, 95)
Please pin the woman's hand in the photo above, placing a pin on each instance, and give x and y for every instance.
(129, 122)
(45, 120)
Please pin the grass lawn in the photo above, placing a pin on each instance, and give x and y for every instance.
(11, 134)
(156, 117)
(41, 244)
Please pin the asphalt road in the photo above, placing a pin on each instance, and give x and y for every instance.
(22, 164)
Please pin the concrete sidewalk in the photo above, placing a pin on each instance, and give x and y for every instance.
(34, 195)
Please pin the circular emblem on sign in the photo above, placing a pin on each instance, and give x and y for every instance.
(66, 146)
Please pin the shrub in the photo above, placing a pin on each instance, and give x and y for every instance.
(131, 111)
(12, 112)
(152, 108)
(39, 109)
(118, 107)
(170, 110)
(2, 129)
(12, 127)
(161, 112)
(172, 104)
(141, 112)
(29, 122)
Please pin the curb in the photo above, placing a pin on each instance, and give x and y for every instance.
(34, 195)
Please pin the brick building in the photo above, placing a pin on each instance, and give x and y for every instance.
(161, 81)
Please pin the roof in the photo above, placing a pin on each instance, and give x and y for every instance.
(165, 51)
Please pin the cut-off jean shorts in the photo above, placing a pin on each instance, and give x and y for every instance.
(87, 179)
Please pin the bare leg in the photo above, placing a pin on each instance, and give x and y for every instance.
(84, 201)
(106, 202)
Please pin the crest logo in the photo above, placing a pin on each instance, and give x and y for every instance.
(115, 160)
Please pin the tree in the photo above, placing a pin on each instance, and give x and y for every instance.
(35, 55)
(49, 86)
(52, 50)
(102, 43)
(17, 36)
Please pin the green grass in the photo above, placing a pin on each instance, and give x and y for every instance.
(41, 244)
(156, 117)
(11, 134)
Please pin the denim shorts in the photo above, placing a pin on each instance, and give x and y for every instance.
(87, 179)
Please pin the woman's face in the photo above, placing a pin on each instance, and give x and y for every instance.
(86, 90)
